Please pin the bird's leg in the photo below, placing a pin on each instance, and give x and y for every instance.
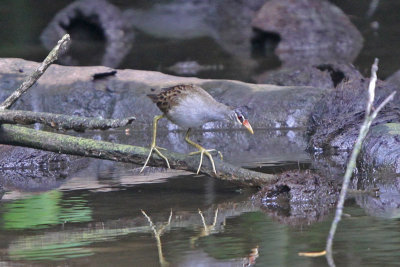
(153, 143)
(202, 151)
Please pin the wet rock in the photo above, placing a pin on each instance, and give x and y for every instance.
(82, 95)
(299, 197)
(304, 76)
(381, 148)
(325, 76)
(394, 78)
(29, 169)
(227, 22)
(378, 194)
(177, 19)
(310, 31)
(384, 205)
(331, 166)
(30, 180)
(334, 123)
(231, 23)
(88, 21)
(11, 157)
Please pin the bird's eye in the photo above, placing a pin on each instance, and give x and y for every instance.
(240, 118)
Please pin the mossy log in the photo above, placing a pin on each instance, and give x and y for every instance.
(27, 137)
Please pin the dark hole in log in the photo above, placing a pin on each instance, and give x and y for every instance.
(84, 28)
(337, 76)
(263, 42)
(88, 39)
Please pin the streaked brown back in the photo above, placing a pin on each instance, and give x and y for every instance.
(170, 96)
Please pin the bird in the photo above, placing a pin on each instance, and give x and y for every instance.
(190, 106)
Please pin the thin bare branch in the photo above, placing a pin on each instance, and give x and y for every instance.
(384, 102)
(371, 87)
(61, 47)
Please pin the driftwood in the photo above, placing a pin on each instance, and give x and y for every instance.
(61, 122)
(26, 137)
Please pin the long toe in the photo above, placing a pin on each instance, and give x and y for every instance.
(156, 149)
(147, 159)
(201, 160)
(211, 160)
(207, 153)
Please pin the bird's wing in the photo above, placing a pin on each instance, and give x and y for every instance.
(169, 97)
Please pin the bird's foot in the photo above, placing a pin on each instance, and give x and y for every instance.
(203, 151)
(157, 150)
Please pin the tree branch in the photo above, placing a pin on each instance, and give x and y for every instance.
(61, 46)
(59, 143)
(61, 122)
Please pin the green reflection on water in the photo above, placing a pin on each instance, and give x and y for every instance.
(43, 210)
(51, 252)
(65, 244)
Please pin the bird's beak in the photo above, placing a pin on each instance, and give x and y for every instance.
(248, 126)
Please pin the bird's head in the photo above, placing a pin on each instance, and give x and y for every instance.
(239, 117)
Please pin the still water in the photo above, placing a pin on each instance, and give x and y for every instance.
(95, 219)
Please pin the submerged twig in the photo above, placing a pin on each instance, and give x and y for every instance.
(61, 46)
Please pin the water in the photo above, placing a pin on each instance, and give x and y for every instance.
(96, 220)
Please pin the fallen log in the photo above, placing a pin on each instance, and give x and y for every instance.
(60, 143)
(60, 121)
